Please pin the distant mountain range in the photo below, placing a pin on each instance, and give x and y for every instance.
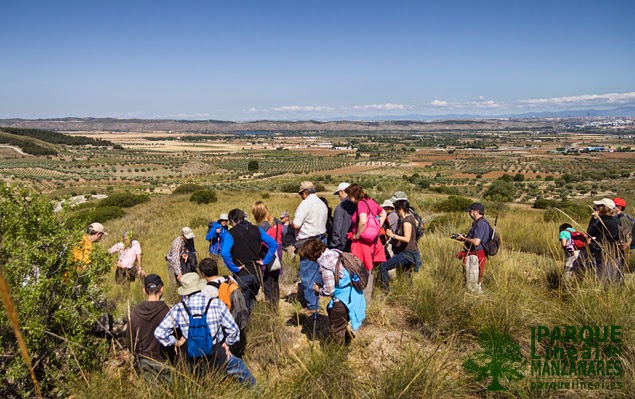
(617, 112)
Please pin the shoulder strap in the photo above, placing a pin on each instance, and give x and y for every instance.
(185, 307)
(368, 207)
(207, 307)
(214, 284)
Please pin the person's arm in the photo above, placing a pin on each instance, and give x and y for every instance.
(164, 333)
(271, 244)
(211, 233)
(299, 216)
(226, 253)
(338, 223)
(328, 279)
(227, 323)
(116, 248)
(407, 232)
(382, 216)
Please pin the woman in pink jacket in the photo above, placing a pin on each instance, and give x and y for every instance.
(366, 220)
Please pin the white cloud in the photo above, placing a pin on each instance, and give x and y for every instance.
(439, 103)
(304, 108)
(586, 100)
(381, 107)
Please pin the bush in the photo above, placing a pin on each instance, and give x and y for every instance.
(188, 188)
(123, 200)
(106, 213)
(198, 222)
(454, 203)
(501, 191)
(542, 203)
(57, 301)
(203, 196)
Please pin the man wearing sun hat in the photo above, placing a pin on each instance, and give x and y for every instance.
(221, 325)
(605, 237)
(180, 248)
(342, 219)
(94, 233)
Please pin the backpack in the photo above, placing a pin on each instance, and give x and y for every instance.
(492, 245)
(355, 268)
(199, 337)
(420, 230)
(371, 231)
(230, 293)
(625, 227)
(579, 239)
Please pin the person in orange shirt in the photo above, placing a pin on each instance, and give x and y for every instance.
(94, 233)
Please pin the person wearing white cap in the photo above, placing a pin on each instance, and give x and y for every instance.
(182, 253)
(94, 233)
(215, 235)
(604, 232)
(342, 217)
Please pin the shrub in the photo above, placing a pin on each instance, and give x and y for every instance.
(105, 213)
(203, 196)
(542, 203)
(187, 188)
(198, 222)
(57, 301)
(453, 203)
(124, 200)
(501, 191)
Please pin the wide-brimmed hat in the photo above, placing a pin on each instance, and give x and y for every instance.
(223, 216)
(398, 196)
(388, 204)
(187, 233)
(607, 202)
(190, 283)
(306, 185)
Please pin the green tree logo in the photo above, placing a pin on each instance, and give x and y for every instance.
(499, 359)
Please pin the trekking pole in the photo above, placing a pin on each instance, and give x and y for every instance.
(315, 312)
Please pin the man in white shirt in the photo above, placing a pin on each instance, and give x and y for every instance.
(310, 221)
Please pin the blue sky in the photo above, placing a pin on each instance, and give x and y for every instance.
(246, 60)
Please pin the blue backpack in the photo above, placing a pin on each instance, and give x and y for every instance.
(199, 337)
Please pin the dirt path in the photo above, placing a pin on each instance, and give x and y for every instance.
(16, 149)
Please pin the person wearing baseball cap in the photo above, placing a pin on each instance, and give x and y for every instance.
(626, 225)
(94, 232)
(605, 235)
(473, 253)
(149, 356)
(342, 217)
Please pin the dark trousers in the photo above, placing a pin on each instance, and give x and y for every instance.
(338, 320)
(271, 287)
(249, 282)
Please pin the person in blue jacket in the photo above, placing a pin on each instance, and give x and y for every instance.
(241, 253)
(216, 233)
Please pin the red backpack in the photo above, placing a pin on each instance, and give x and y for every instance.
(579, 239)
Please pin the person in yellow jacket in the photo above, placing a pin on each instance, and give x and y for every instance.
(94, 233)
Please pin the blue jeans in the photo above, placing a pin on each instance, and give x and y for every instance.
(402, 259)
(237, 368)
(309, 274)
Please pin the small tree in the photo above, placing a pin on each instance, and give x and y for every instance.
(252, 166)
(203, 196)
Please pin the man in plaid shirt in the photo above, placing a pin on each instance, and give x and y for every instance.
(221, 325)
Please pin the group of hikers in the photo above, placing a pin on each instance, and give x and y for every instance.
(337, 254)
(605, 246)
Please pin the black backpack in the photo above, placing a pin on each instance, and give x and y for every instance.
(420, 230)
(492, 245)
(355, 268)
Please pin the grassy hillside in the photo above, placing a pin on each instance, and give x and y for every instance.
(49, 136)
(29, 145)
(416, 338)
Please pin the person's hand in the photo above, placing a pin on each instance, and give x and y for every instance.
(390, 234)
(141, 273)
(178, 277)
(218, 231)
(227, 351)
(259, 262)
(316, 288)
(461, 237)
(180, 342)
(595, 215)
